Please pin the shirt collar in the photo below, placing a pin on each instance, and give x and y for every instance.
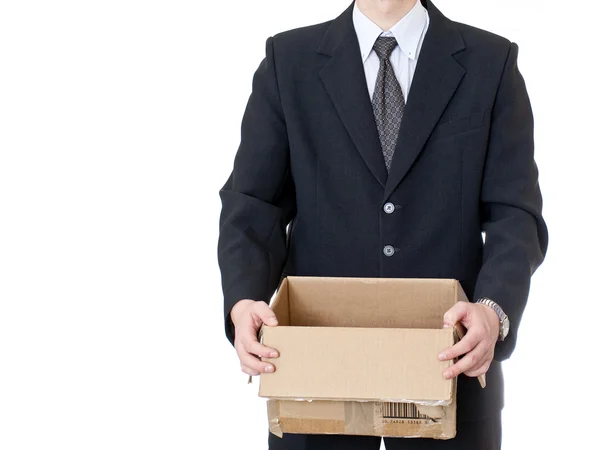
(407, 31)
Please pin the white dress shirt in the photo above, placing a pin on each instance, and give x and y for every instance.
(409, 32)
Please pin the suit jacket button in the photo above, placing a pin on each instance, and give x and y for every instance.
(389, 208)
(388, 250)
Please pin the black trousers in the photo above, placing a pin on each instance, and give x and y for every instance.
(483, 434)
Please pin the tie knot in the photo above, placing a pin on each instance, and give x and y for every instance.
(384, 46)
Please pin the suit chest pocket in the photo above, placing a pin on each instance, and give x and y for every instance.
(458, 125)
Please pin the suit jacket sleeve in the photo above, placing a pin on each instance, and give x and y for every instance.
(258, 200)
(511, 204)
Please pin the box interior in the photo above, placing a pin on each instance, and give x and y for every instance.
(365, 303)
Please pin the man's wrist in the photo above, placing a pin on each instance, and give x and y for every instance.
(237, 307)
(502, 317)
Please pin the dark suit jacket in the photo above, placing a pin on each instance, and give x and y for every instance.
(310, 156)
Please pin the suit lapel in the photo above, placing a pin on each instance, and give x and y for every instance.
(436, 78)
(344, 80)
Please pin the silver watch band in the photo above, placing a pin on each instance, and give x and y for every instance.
(504, 322)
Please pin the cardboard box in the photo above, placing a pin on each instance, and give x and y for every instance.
(359, 356)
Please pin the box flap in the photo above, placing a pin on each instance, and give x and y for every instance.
(358, 364)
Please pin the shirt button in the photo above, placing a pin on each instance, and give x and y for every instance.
(389, 208)
(388, 250)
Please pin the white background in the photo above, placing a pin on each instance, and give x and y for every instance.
(119, 121)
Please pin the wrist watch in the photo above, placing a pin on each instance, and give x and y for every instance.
(504, 322)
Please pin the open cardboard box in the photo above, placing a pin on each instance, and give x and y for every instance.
(359, 356)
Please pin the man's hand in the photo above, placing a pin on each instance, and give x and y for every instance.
(478, 344)
(247, 317)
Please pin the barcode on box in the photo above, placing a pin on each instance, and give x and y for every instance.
(401, 411)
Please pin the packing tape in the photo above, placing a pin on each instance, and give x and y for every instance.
(273, 413)
(360, 418)
(435, 412)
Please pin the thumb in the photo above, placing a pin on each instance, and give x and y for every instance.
(266, 314)
(455, 314)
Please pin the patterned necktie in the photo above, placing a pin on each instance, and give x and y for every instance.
(388, 100)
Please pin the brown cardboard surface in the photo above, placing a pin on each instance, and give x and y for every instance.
(311, 410)
(357, 364)
(367, 302)
(360, 418)
(351, 346)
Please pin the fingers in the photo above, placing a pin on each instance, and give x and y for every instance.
(456, 314)
(477, 345)
(266, 314)
(470, 362)
(252, 363)
(249, 349)
(256, 348)
(482, 369)
(475, 335)
(465, 345)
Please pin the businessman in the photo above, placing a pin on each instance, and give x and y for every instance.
(388, 142)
